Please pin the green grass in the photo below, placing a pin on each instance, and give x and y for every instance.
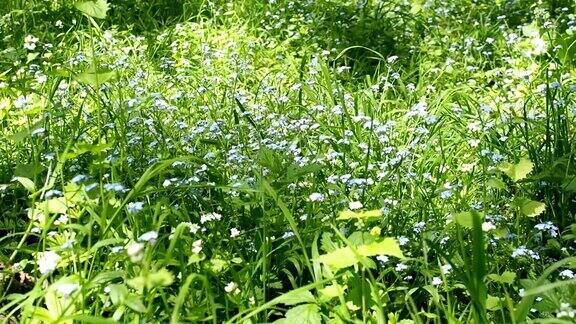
(298, 162)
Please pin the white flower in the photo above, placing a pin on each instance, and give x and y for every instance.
(567, 274)
(382, 258)
(210, 217)
(30, 42)
(66, 289)
(135, 207)
(47, 262)
(197, 246)
(234, 232)
(135, 251)
(401, 267)
(419, 227)
(316, 196)
(487, 226)
(232, 287)
(354, 205)
(150, 236)
(403, 240)
(446, 269)
(436, 281)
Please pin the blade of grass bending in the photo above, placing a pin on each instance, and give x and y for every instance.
(181, 298)
(151, 172)
(288, 215)
(524, 305)
(279, 299)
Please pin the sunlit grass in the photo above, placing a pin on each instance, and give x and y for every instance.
(300, 162)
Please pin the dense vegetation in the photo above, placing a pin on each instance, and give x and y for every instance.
(337, 161)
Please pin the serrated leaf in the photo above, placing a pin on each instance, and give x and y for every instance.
(528, 207)
(118, 293)
(297, 297)
(160, 278)
(496, 183)
(133, 302)
(517, 171)
(506, 277)
(388, 246)
(360, 238)
(348, 214)
(345, 257)
(326, 242)
(304, 314)
(94, 8)
(339, 258)
(332, 291)
(57, 205)
(26, 183)
(463, 219)
(533, 208)
(95, 77)
(493, 303)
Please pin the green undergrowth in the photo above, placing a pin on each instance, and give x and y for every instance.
(287, 161)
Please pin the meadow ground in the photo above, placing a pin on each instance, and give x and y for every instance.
(315, 161)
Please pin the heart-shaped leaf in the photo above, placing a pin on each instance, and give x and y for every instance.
(517, 171)
(94, 8)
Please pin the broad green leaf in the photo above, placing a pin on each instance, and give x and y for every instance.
(118, 293)
(348, 214)
(496, 183)
(332, 291)
(95, 77)
(345, 257)
(304, 314)
(339, 258)
(297, 297)
(160, 278)
(463, 219)
(133, 302)
(388, 246)
(94, 8)
(326, 242)
(529, 208)
(57, 205)
(493, 303)
(517, 171)
(360, 238)
(506, 277)
(26, 183)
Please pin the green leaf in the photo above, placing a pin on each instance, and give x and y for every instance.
(95, 77)
(133, 302)
(496, 183)
(359, 238)
(332, 291)
(529, 208)
(160, 278)
(304, 314)
(339, 258)
(57, 205)
(297, 297)
(26, 183)
(118, 293)
(517, 171)
(507, 277)
(345, 257)
(465, 219)
(94, 8)
(493, 303)
(388, 246)
(348, 214)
